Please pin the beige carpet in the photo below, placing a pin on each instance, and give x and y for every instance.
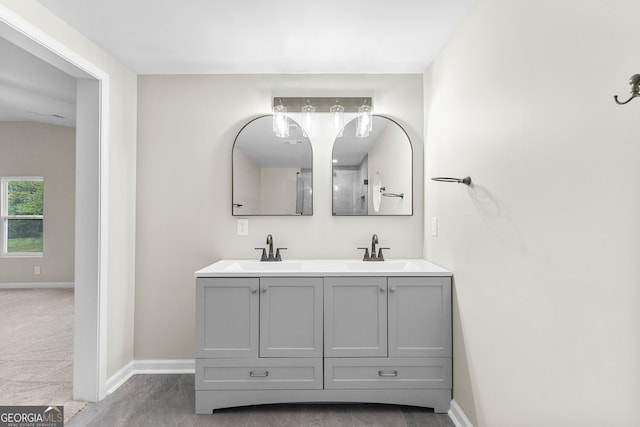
(36, 348)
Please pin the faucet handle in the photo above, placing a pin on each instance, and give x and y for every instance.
(278, 257)
(264, 254)
(380, 257)
(366, 254)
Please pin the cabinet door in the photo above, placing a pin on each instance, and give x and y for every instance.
(420, 316)
(290, 317)
(227, 317)
(355, 316)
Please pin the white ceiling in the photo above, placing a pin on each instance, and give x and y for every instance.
(262, 36)
(231, 37)
(32, 90)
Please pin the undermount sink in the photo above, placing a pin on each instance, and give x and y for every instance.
(377, 265)
(265, 266)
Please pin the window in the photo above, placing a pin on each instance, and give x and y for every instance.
(21, 209)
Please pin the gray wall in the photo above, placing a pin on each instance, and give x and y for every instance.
(32, 149)
(186, 129)
(545, 247)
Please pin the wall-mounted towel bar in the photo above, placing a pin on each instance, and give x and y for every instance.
(466, 180)
(383, 189)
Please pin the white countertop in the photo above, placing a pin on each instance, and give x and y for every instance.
(321, 267)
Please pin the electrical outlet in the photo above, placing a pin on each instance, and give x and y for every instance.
(243, 226)
(434, 226)
(36, 270)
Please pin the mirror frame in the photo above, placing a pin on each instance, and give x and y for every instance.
(232, 173)
(369, 178)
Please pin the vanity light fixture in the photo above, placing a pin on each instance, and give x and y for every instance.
(280, 122)
(308, 118)
(309, 106)
(337, 118)
(365, 121)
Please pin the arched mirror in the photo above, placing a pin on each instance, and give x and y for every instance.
(271, 175)
(373, 175)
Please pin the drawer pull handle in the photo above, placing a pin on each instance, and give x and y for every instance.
(259, 374)
(388, 373)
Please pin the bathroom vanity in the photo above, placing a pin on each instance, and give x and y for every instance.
(323, 331)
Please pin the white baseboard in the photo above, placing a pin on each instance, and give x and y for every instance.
(457, 416)
(38, 285)
(136, 367)
(119, 378)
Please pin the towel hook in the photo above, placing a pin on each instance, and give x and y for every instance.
(634, 81)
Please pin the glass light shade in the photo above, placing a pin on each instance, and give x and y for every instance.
(280, 122)
(337, 119)
(365, 122)
(308, 118)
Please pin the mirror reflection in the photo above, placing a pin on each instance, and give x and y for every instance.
(271, 175)
(373, 175)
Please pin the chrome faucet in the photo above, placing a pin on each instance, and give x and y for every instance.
(373, 256)
(270, 257)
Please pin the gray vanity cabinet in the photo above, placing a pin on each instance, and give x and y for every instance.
(323, 339)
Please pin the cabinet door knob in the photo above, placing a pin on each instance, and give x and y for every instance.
(258, 373)
(392, 290)
(264, 290)
(382, 290)
(254, 290)
(388, 373)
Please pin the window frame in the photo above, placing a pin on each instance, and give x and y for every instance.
(5, 217)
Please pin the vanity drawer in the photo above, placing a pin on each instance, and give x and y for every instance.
(389, 373)
(258, 374)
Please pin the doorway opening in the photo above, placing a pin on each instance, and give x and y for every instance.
(90, 266)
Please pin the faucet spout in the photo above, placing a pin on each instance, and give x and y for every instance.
(270, 243)
(374, 242)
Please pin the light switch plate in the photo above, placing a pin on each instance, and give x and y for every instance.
(243, 226)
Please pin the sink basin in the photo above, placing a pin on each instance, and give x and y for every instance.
(377, 265)
(264, 266)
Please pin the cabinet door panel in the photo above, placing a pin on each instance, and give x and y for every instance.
(420, 316)
(355, 322)
(291, 317)
(227, 317)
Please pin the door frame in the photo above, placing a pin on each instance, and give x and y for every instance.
(91, 236)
